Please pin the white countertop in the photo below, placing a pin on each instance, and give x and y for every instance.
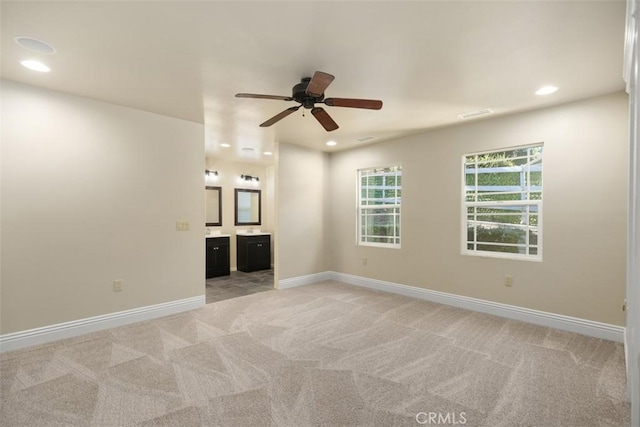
(255, 233)
(213, 236)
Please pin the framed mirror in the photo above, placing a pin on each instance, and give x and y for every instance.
(213, 204)
(248, 209)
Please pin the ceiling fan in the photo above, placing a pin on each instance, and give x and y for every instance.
(310, 91)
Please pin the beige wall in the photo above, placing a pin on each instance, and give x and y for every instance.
(229, 172)
(302, 187)
(91, 192)
(584, 213)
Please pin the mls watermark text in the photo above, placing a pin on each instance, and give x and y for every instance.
(441, 418)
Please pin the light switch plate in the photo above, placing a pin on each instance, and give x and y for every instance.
(183, 226)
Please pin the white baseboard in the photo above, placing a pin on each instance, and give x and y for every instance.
(542, 318)
(74, 328)
(304, 280)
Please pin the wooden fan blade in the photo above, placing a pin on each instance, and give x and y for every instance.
(319, 82)
(255, 95)
(371, 104)
(279, 116)
(324, 118)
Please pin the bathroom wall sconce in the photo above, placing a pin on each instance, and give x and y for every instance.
(253, 181)
(213, 175)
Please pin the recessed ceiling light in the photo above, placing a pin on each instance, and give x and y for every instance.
(546, 90)
(247, 149)
(35, 66)
(332, 143)
(225, 145)
(35, 45)
(267, 153)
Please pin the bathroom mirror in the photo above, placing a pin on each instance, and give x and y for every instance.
(213, 206)
(248, 207)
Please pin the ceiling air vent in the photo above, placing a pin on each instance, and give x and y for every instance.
(366, 138)
(472, 114)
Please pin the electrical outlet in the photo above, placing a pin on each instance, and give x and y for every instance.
(117, 285)
(508, 281)
(364, 261)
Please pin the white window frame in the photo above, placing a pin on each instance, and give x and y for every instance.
(526, 202)
(395, 169)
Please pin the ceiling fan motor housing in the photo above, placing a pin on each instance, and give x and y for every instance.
(299, 93)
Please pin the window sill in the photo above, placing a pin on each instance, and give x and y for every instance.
(380, 245)
(503, 255)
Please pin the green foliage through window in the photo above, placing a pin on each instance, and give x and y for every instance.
(503, 201)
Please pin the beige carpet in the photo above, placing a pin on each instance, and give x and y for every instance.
(326, 354)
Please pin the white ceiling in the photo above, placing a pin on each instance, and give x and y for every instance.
(427, 60)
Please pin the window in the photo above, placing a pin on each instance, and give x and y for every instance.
(502, 208)
(379, 196)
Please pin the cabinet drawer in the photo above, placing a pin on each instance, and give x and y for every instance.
(217, 241)
(255, 239)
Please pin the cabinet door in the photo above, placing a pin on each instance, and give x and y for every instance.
(259, 255)
(217, 257)
(222, 260)
(264, 256)
(210, 258)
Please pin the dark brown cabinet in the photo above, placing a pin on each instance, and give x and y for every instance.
(254, 252)
(217, 254)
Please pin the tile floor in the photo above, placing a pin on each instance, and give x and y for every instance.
(238, 284)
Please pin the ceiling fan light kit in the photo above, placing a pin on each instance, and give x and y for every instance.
(307, 93)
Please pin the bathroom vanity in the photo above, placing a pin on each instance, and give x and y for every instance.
(217, 256)
(253, 251)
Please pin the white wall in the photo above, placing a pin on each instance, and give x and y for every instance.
(91, 192)
(632, 332)
(584, 215)
(302, 188)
